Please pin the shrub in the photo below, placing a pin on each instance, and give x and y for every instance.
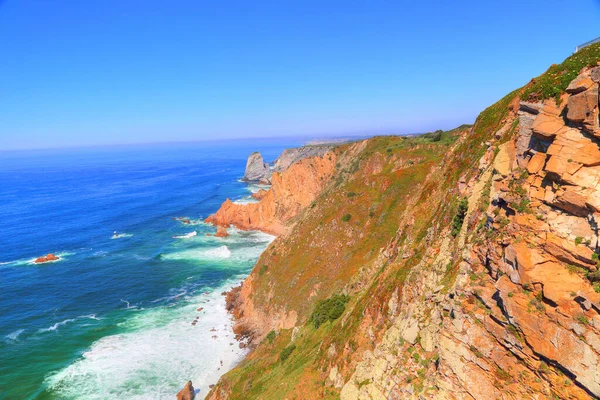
(271, 336)
(350, 194)
(346, 217)
(435, 136)
(594, 276)
(459, 217)
(329, 309)
(285, 353)
(578, 240)
(556, 79)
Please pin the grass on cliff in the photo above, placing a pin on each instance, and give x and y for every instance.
(282, 369)
(553, 82)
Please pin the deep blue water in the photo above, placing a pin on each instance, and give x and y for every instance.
(113, 317)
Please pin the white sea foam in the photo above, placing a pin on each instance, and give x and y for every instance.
(14, 336)
(200, 254)
(121, 235)
(56, 325)
(246, 200)
(160, 348)
(31, 261)
(256, 187)
(186, 236)
(67, 321)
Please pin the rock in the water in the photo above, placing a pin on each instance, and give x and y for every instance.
(221, 232)
(256, 168)
(187, 393)
(46, 258)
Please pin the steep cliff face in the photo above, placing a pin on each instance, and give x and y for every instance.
(292, 155)
(291, 191)
(471, 263)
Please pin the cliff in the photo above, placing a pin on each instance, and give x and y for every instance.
(292, 155)
(291, 191)
(459, 265)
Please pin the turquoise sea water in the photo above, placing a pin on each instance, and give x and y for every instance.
(113, 318)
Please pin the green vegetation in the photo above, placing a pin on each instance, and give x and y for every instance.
(434, 136)
(578, 240)
(271, 336)
(553, 82)
(459, 217)
(286, 352)
(346, 217)
(328, 310)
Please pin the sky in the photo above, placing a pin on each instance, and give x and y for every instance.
(84, 73)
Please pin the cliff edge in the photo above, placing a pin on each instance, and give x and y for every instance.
(452, 265)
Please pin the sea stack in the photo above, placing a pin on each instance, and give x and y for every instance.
(256, 168)
(187, 393)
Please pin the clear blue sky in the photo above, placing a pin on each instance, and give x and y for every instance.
(76, 72)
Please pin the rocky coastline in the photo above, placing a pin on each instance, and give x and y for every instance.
(470, 259)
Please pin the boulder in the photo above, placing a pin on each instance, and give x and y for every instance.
(595, 74)
(536, 163)
(583, 108)
(47, 258)
(256, 168)
(572, 202)
(505, 158)
(187, 393)
(221, 232)
(580, 84)
(547, 126)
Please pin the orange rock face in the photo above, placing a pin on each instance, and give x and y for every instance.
(260, 194)
(221, 232)
(291, 191)
(187, 393)
(46, 258)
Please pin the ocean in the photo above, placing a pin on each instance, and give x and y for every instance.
(113, 317)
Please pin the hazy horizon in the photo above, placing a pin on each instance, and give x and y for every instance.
(90, 74)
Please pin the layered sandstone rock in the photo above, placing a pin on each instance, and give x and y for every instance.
(290, 192)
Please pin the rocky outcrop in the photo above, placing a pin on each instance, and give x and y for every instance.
(259, 195)
(292, 155)
(495, 299)
(221, 232)
(291, 191)
(47, 258)
(187, 393)
(256, 168)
